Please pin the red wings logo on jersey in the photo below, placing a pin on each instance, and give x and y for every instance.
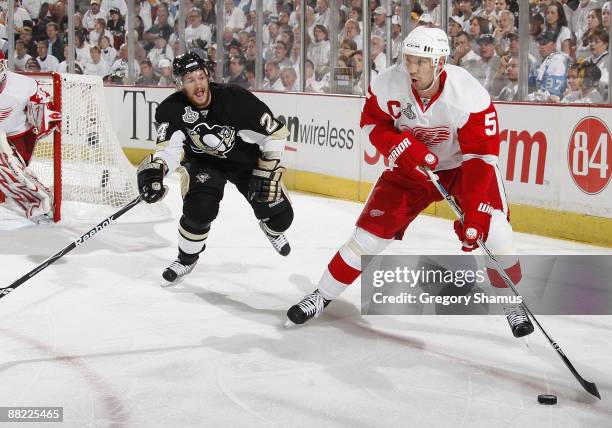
(431, 136)
(5, 112)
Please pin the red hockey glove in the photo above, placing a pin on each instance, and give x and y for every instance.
(475, 226)
(408, 153)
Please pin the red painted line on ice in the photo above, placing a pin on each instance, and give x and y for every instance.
(115, 409)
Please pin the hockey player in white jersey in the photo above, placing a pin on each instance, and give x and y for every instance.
(422, 112)
(25, 115)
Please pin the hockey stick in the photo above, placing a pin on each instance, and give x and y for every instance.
(590, 387)
(79, 241)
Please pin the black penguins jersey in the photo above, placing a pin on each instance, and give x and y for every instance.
(231, 129)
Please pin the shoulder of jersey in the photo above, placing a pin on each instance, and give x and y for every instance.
(228, 90)
(21, 85)
(463, 92)
(393, 80)
(173, 104)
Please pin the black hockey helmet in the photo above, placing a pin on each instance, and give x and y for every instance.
(186, 63)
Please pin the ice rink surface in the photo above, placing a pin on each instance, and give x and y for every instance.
(96, 334)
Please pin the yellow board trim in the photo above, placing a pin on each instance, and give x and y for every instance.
(528, 219)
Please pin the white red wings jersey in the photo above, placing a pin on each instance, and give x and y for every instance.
(18, 92)
(458, 123)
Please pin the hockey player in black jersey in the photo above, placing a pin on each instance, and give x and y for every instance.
(214, 133)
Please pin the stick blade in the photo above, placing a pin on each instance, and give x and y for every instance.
(591, 388)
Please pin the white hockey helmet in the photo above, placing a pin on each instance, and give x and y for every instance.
(3, 69)
(427, 42)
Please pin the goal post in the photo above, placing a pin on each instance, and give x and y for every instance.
(83, 162)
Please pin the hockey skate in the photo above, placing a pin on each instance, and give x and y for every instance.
(519, 321)
(278, 240)
(178, 269)
(309, 307)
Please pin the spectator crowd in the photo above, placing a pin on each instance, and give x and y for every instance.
(568, 42)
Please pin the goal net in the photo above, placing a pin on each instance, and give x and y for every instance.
(84, 164)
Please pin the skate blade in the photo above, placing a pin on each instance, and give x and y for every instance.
(525, 340)
(168, 284)
(289, 324)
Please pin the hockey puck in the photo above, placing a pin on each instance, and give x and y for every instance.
(547, 399)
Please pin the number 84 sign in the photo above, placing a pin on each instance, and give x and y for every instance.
(589, 155)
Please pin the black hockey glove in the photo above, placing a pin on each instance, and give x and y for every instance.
(265, 184)
(151, 179)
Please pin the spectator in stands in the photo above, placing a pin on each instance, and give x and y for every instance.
(39, 31)
(94, 13)
(347, 47)
(165, 71)
(237, 74)
(356, 63)
(209, 16)
(251, 50)
(455, 26)
(46, 61)
(509, 68)
(243, 39)
(488, 11)
(464, 56)
(467, 9)
(536, 27)
(551, 79)
(147, 74)
(21, 56)
(234, 17)
(58, 15)
(273, 30)
(272, 81)
(160, 51)
(490, 61)
(82, 49)
(289, 80)
(120, 66)
(378, 26)
(116, 26)
(160, 27)
(109, 53)
(580, 16)
(323, 12)
(55, 46)
(196, 29)
(143, 10)
(605, 15)
(120, 5)
(26, 38)
(598, 43)
(588, 79)
(396, 38)
(594, 20)
(505, 26)
(501, 5)
(33, 8)
(281, 54)
(556, 23)
(96, 66)
(572, 93)
(478, 27)
(98, 31)
(63, 66)
(356, 14)
(352, 31)
(377, 53)
(321, 48)
(20, 15)
(310, 21)
(426, 20)
(432, 8)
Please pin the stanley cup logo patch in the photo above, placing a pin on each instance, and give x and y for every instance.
(190, 116)
(408, 111)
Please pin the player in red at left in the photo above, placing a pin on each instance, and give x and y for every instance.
(420, 113)
(26, 114)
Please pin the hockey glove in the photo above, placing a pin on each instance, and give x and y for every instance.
(475, 226)
(265, 184)
(409, 153)
(151, 179)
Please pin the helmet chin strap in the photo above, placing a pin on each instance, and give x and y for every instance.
(436, 74)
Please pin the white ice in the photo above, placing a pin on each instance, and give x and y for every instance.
(96, 334)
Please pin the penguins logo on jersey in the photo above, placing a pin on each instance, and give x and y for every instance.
(212, 140)
(408, 111)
